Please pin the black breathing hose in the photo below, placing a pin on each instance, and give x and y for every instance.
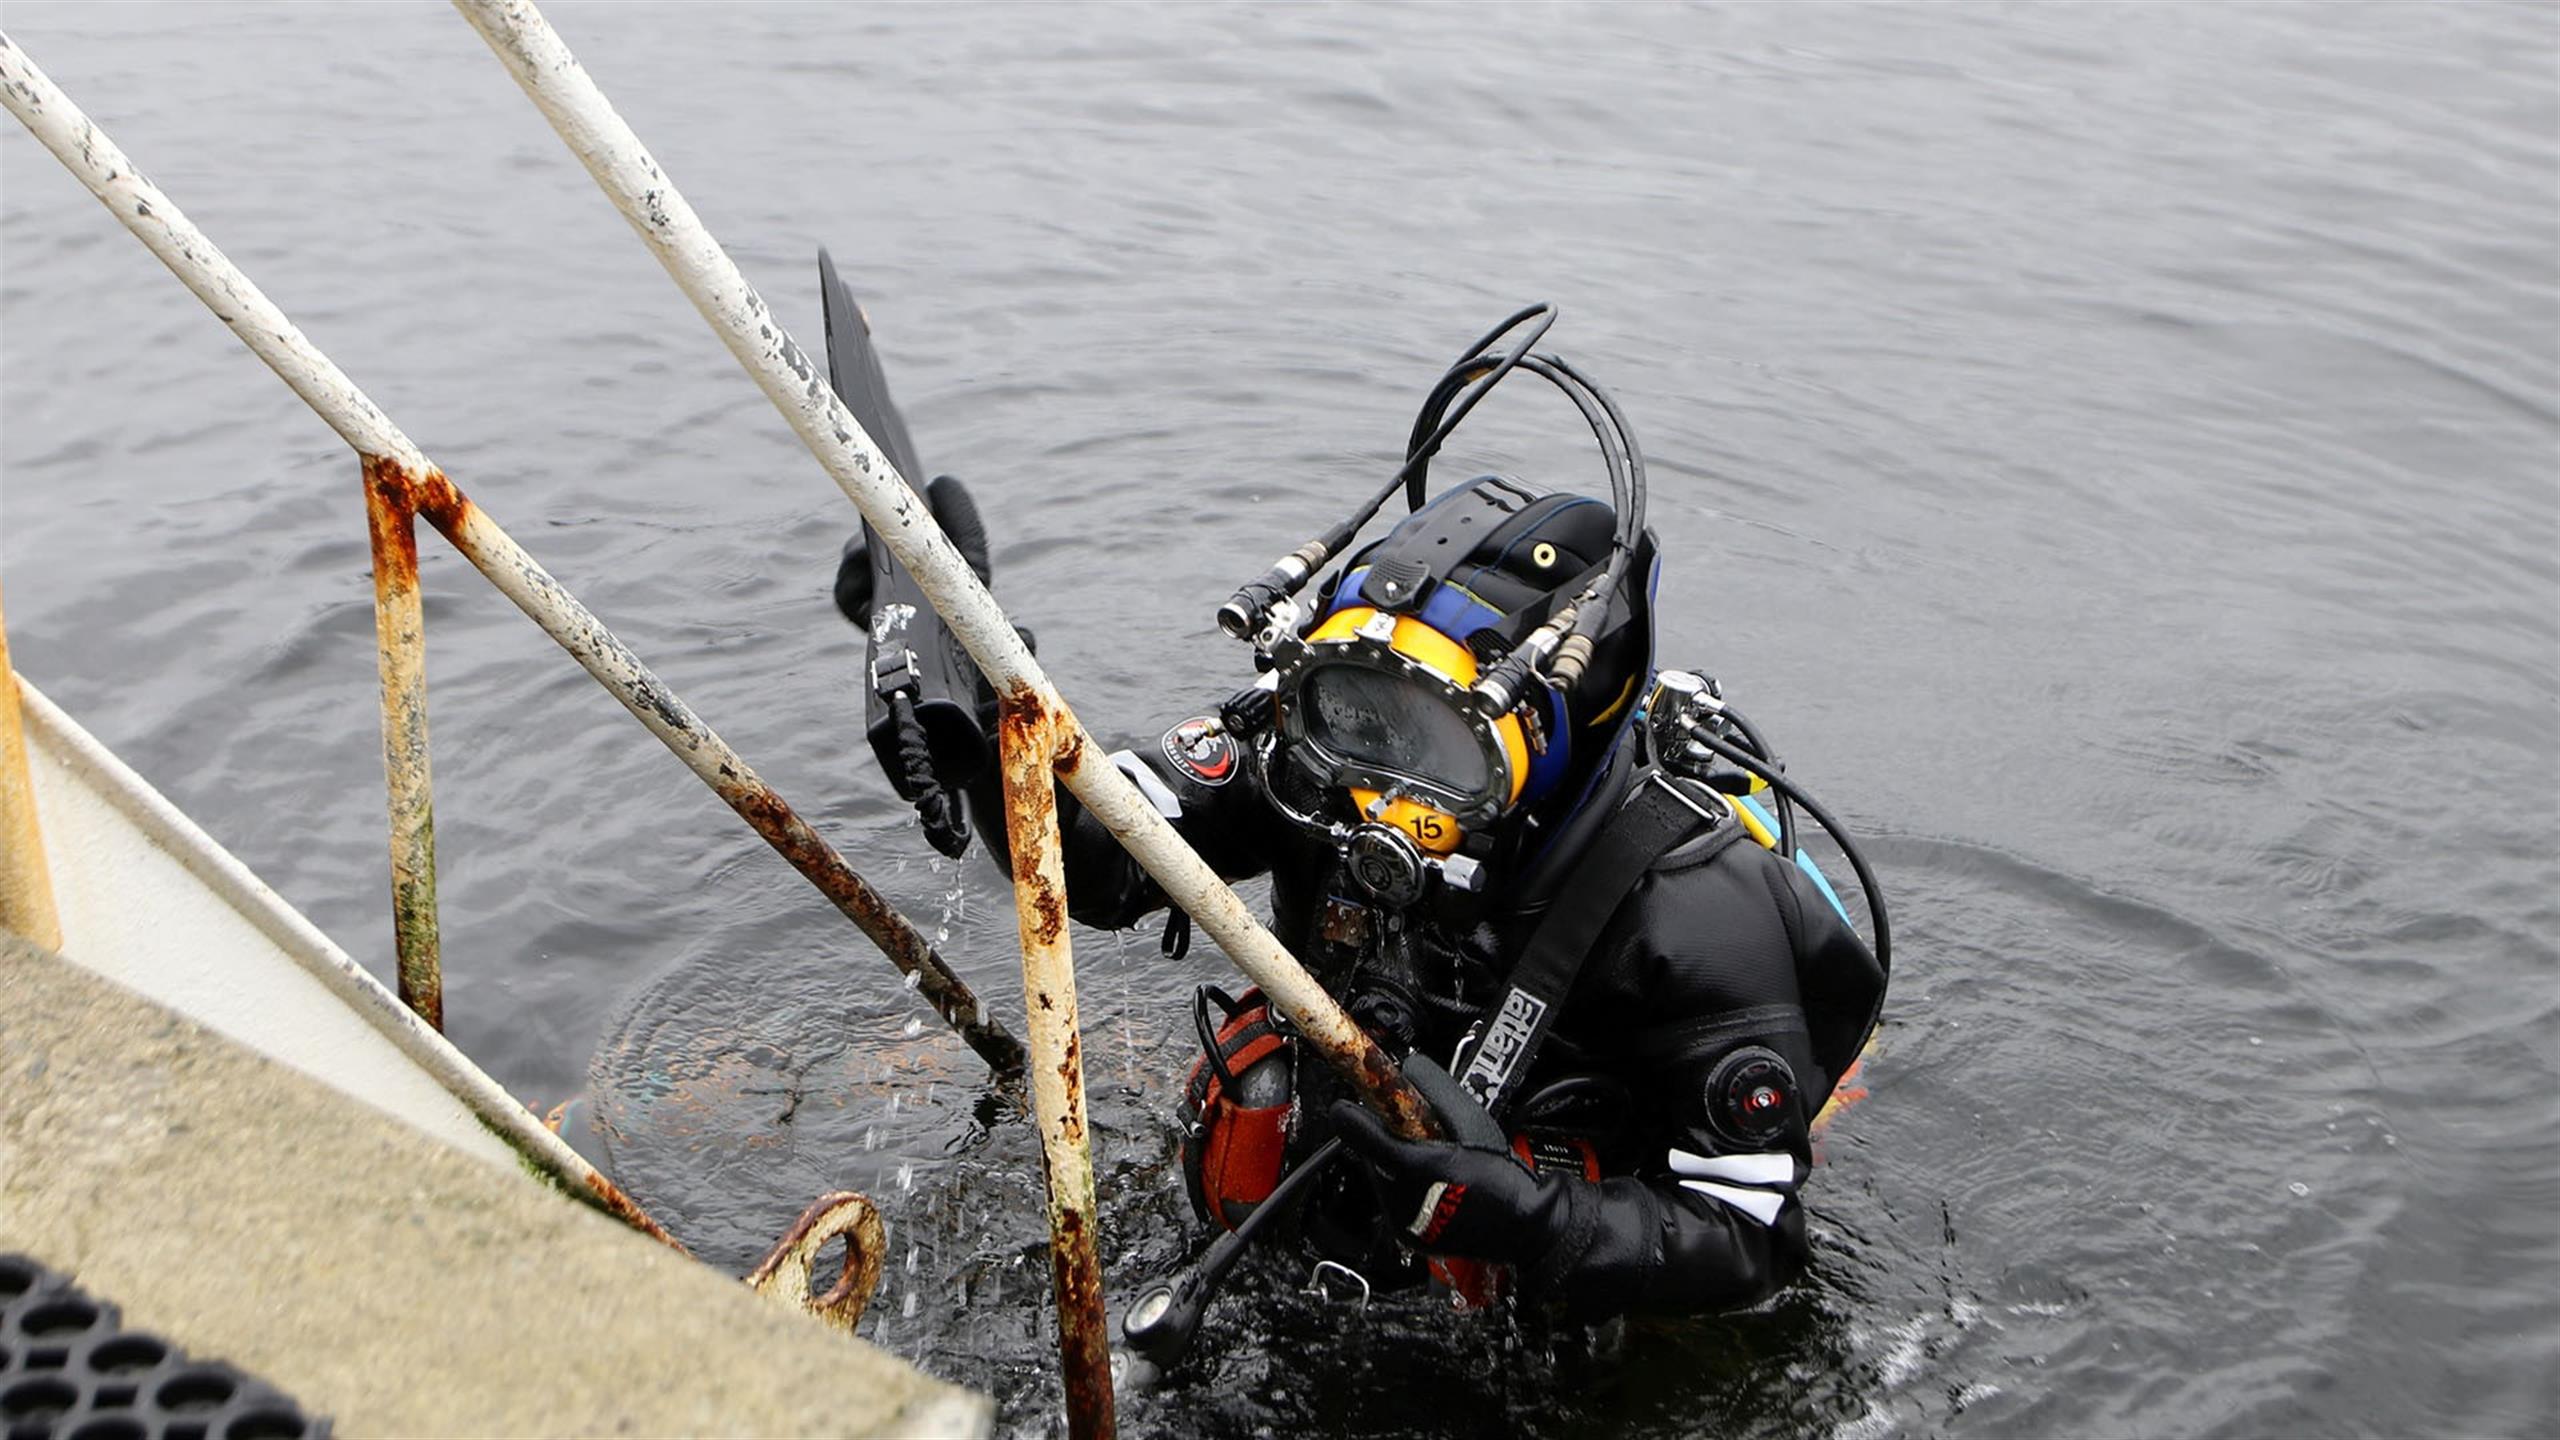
(1157, 1329)
(1784, 786)
(1566, 656)
(1760, 746)
(1430, 428)
(1246, 610)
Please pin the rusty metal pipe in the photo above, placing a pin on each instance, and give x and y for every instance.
(1026, 746)
(26, 880)
(399, 627)
(522, 579)
(623, 168)
(160, 225)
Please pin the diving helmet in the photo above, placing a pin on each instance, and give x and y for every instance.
(1378, 698)
(1449, 672)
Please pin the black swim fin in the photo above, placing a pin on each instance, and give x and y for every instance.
(911, 655)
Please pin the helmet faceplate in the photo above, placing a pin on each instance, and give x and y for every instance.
(1382, 703)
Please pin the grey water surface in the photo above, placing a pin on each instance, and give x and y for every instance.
(2110, 450)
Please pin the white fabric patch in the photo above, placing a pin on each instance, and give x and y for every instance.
(1430, 1202)
(1149, 783)
(1760, 1205)
(1779, 1170)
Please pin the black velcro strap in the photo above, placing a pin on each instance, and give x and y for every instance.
(1654, 817)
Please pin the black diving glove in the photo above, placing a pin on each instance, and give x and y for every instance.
(1469, 1195)
(1589, 1248)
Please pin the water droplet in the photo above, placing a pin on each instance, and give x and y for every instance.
(2298, 1188)
(913, 1029)
(907, 1180)
(2254, 1040)
(870, 1137)
(907, 1307)
(915, 979)
(911, 1259)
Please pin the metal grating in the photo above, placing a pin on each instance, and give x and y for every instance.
(69, 1370)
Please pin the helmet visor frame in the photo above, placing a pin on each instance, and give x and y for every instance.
(1358, 713)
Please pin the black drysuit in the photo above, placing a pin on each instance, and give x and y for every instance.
(1720, 948)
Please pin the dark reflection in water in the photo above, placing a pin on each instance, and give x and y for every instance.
(2111, 450)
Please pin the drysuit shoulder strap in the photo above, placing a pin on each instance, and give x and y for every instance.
(1659, 812)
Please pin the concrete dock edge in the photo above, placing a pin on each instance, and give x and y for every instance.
(389, 1281)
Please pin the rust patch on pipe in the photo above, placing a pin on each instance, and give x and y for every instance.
(1085, 1350)
(1031, 819)
(1048, 917)
(399, 620)
(26, 880)
(1071, 1127)
(1383, 1085)
(433, 496)
(1028, 742)
(610, 1198)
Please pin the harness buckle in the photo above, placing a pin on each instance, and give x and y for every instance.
(1712, 817)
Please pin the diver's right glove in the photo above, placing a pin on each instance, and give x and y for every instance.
(1592, 1248)
(1468, 1195)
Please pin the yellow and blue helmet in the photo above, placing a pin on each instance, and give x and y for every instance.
(1376, 695)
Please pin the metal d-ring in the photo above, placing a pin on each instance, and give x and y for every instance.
(1316, 1285)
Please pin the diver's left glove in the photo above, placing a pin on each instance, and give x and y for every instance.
(922, 765)
(1468, 1195)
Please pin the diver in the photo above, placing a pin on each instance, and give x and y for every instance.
(1561, 886)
